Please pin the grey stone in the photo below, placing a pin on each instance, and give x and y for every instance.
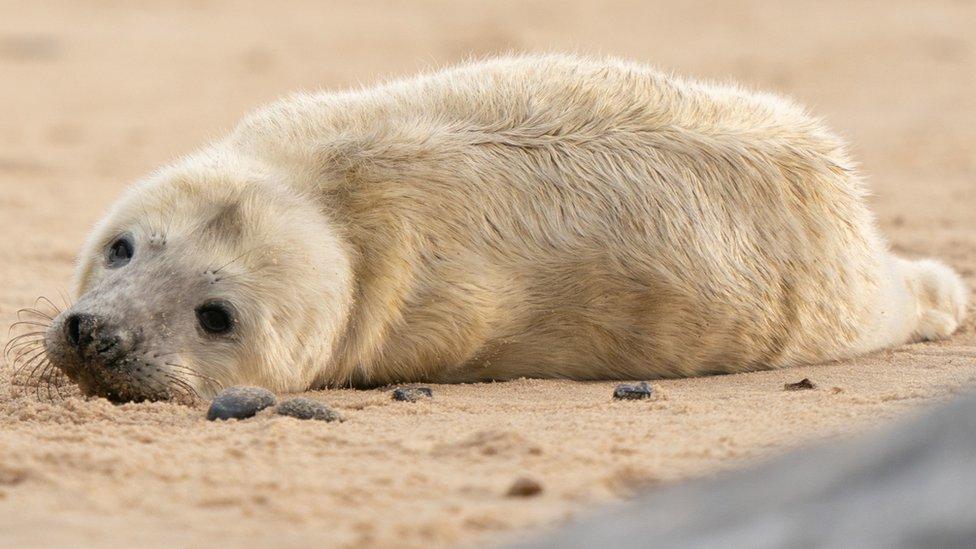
(240, 403)
(633, 392)
(307, 408)
(412, 394)
(913, 485)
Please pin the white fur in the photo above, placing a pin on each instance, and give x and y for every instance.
(558, 216)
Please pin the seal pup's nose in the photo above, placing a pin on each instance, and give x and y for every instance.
(79, 329)
(93, 337)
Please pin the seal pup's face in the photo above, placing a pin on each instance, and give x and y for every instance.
(209, 275)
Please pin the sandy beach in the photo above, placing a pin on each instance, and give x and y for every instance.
(95, 95)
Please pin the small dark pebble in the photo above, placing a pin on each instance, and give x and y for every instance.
(240, 403)
(412, 394)
(801, 385)
(524, 487)
(306, 408)
(633, 392)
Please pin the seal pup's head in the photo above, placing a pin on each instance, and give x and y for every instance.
(209, 274)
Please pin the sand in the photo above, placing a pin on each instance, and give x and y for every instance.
(94, 95)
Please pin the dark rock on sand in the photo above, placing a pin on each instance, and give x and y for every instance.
(307, 408)
(633, 392)
(240, 403)
(412, 394)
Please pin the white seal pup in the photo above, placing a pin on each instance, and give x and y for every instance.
(538, 216)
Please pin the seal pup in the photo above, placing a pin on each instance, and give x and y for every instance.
(537, 216)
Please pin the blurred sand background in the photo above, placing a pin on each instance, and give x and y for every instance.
(94, 95)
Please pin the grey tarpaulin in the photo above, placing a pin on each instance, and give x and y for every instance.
(913, 485)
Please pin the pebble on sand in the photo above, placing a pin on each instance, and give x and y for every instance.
(307, 408)
(412, 394)
(633, 392)
(240, 403)
(524, 487)
(801, 385)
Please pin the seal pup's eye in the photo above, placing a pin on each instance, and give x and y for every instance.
(120, 252)
(215, 317)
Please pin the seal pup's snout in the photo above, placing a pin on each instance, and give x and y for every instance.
(103, 356)
(92, 337)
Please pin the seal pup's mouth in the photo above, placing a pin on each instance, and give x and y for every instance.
(107, 358)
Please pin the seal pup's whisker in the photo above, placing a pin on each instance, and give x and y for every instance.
(27, 323)
(144, 223)
(62, 381)
(162, 385)
(24, 358)
(31, 380)
(14, 341)
(35, 312)
(188, 391)
(32, 363)
(27, 357)
(44, 379)
(239, 257)
(65, 300)
(234, 276)
(16, 348)
(44, 299)
(52, 380)
(190, 371)
(214, 384)
(22, 362)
